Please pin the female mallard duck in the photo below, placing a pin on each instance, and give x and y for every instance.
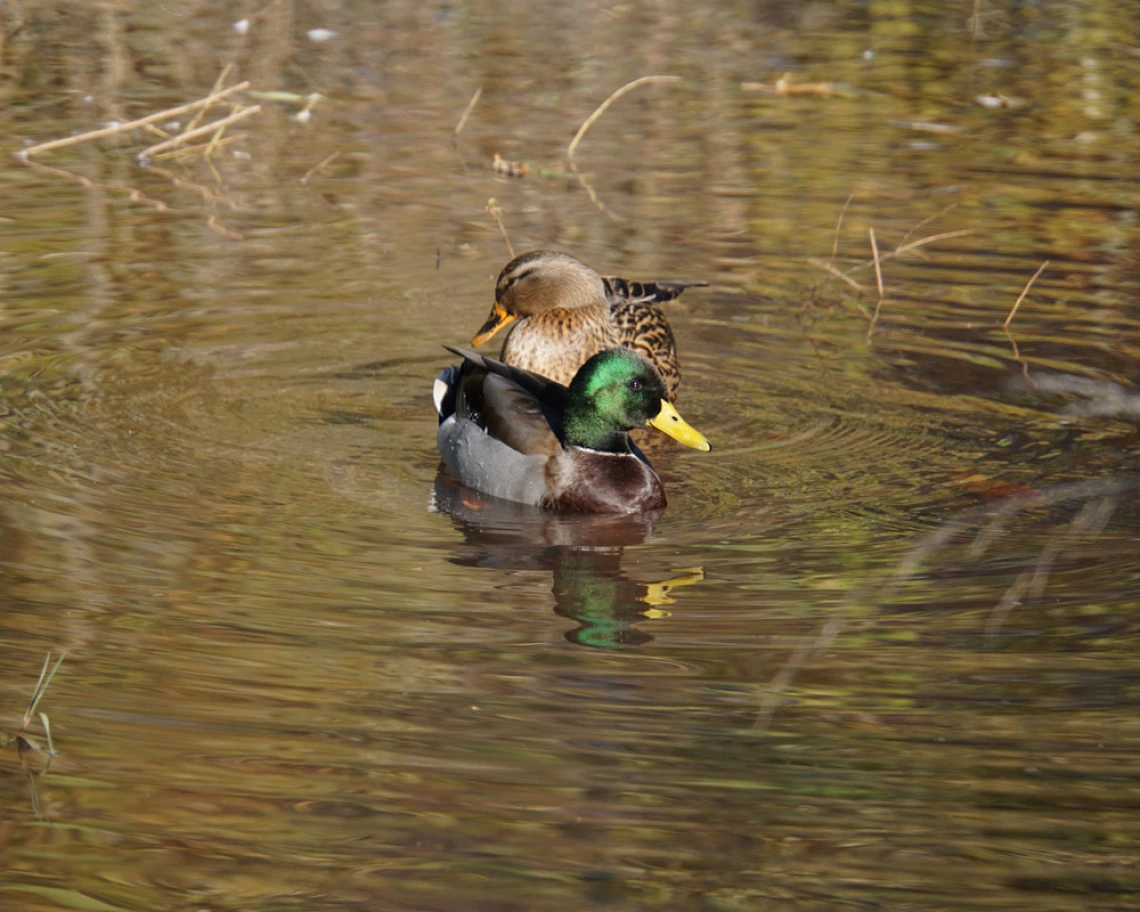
(513, 434)
(564, 312)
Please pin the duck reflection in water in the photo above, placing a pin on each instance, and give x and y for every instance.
(583, 552)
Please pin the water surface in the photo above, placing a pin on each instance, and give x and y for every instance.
(879, 652)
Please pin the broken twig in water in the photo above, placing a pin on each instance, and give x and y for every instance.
(922, 242)
(205, 148)
(320, 166)
(132, 125)
(200, 131)
(201, 112)
(828, 268)
(1024, 292)
(913, 245)
(926, 221)
(466, 113)
(879, 257)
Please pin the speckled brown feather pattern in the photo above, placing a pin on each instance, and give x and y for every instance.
(644, 329)
(561, 313)
(555, 343)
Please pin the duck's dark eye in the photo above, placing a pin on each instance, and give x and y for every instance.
(634, 385)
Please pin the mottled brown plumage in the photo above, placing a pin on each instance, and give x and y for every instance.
(562, 313)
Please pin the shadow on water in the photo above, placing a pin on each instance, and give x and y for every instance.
(583, 554)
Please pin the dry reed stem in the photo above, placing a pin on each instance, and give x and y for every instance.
(827, 267)
(201, 112)
(913, 245)
(496, 214)
(921, 242)
(878, 280)
(1024, 292)
(589, 122)
(200, 131)
(1017, 354)
(878, 269)
(133, 125)
(601, 109)
(878, 257)
(466, 113)
(320, 166)
(215, 141)
(930, 218)
(204, 148)
(838, 225)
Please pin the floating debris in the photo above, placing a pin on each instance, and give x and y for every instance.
(784, 86)
(995, 100)
(924, 126)
(142, 122)
(508, 168)
(466, 113)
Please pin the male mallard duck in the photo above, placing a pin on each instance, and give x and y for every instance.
(563, 312)
(514, 434)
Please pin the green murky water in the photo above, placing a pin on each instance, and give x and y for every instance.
(880, 651)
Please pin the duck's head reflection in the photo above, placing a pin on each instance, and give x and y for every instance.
(584, 553)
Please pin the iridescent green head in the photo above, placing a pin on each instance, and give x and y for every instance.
(614, 392)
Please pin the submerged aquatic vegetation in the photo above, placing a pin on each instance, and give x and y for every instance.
(25, 744)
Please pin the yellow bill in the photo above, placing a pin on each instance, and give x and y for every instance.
(496, 321)
(670, 422)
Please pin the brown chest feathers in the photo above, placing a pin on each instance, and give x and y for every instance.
(596, 482)
(555, 343)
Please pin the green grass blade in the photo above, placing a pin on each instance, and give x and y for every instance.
(42, 684)
(36, 692)
(47, 731)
